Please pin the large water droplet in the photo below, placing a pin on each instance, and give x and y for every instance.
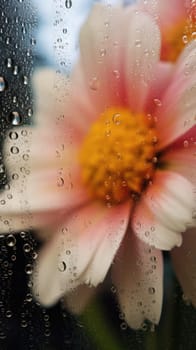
(2, 84)
(14, 118)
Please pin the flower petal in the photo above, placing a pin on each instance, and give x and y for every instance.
(164, 211)
(102, 48)
(142, 54)
(44, 179)
(138, 276)
(163, 12)
(181, 156)
(171, 200)
(81, 252)
(151, 231)
(184, 261)
(176, 115)
(163, 73)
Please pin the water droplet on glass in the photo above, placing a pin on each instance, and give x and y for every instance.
(14, 150)
(68, 4)
(11, 241)
(8, 313)
(151, 290)
(26, 247)
(25, 80)
(30, 112)
(33, 41)
(24, 324)
(2, 84)
(94, 84)
(28, 269)
(15, 176)
(60, 182)
(157, 102)
(9, 62)
(116, 73)
(15, 70)
(185, 39)
(116, 118)
(14, 118)
(138, 43)
(13, 135)
(62, 266)
(102, 52)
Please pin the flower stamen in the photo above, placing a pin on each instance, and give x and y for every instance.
(117, 155)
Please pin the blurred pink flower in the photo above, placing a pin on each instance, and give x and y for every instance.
(106, 176)
(177, 21)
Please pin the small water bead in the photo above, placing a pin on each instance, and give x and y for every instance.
(2, 169)
(123, 326)
(116, 118)
(116, 73)
(14, 118)
(13, 135)
(25, 80)
(60, 182)
(24, 324)
(7, 40)
(14, 99)
(185, 39)
(29, 297)
(34, 255)
(9, 62)
(24, 132)
(102, 52)
(2, 84)
(62, 266)
(68, 4)
(138, 43)
(29, 112)
(94, 84)
(25, 157)
(151, 290)
(15, 176)
(33, 41)
(14, 150)
(13, 257)
(157, 102)
(15, 70)
(27, 248)
(8, 313)
(28, 269)
(11, 241)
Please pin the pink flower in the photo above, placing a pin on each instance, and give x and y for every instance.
(177, 21)
(107, 174)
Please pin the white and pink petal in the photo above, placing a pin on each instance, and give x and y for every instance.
(138, 275)
(81, 252)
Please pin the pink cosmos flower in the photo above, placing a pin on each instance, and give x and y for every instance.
(177, 21)
(107, 175)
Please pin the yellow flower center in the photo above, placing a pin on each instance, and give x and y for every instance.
(176, 38)
(118, 155)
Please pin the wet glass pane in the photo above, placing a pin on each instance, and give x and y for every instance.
(97, 174)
